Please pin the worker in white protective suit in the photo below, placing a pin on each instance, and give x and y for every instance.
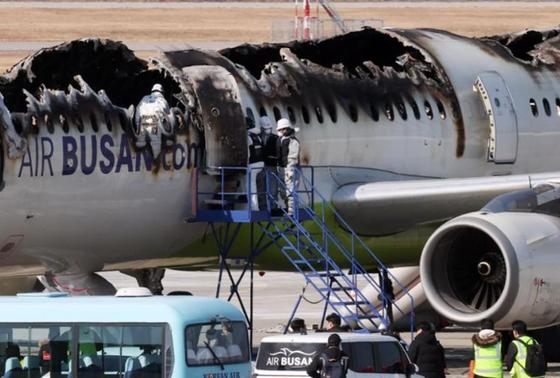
(154, 120)
(256, 161)
(289, 160)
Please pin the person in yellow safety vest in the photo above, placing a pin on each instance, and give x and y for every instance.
(517, 352)
(487, 345)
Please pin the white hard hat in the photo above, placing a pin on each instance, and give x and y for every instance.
(265, 122)
(157, 88)
(283, 123)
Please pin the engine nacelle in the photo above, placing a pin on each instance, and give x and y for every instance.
(503, 266)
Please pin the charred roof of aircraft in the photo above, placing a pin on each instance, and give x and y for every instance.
(363, 68)
(350, 50)
(102, 64)
(530, 46)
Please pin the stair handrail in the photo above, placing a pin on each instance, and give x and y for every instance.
(355, 236)
(376, 313)
(342, 248)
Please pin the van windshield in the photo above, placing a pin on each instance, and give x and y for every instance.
(217, 343)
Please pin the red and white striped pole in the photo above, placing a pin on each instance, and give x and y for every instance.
(306, 16)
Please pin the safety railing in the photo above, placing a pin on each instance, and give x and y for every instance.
(230, 198)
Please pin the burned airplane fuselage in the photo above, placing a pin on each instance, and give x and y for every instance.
(375, 105)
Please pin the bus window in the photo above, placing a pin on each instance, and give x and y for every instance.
(226, 341)
(34, 351)
(135, 351)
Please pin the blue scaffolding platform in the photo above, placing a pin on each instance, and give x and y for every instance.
(321, 256)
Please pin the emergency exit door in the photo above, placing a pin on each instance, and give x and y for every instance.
(502, 120)
(225, 133)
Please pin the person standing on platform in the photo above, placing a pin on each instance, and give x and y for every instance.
(289, 161)
(270, 151)
(256, 160)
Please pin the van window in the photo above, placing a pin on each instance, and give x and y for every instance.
(226, 341)
(114, 350)
(361, 357)
(288, 356)
(390, 358)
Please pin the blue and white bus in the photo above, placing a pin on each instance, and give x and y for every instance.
(44, 335)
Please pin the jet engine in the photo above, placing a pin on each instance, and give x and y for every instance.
(499, 263)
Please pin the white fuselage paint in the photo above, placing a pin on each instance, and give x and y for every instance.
(86, 221)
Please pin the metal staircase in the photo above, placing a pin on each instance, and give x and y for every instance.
(333, 267)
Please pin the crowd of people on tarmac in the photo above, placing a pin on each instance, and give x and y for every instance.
(524, 357)
(272, 154)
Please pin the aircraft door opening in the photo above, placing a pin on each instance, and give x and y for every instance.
(219, 104)
(495, 95)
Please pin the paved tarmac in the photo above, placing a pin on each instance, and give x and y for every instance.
(275, 296)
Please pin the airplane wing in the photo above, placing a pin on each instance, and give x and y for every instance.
(383, 208)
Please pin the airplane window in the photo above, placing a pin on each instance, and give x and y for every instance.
(65, 126)
(428, 110)
(79, 124)
(374, 112)
(497, 102)
(332, 112)
(250, 114)
(50, 126)
(441, 109)
(414, 107)
(558, 105)
(319, 114)
(389, 111)
(353, 112)
(262, 111)
(291, 115)
(277, 114)
(93, 121)
(108, 121)
(534, 108)
(305, 114)
(546, 107)
(401, 108)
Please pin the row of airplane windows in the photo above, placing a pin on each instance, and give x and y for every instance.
(388, 108)
(121, 120)
(545, 104)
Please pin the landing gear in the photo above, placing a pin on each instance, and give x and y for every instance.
(150, 278)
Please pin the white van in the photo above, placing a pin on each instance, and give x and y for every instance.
(371, 356)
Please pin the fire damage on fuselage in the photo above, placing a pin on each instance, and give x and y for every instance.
(383, 72)
(535, 47)
(88, 84)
